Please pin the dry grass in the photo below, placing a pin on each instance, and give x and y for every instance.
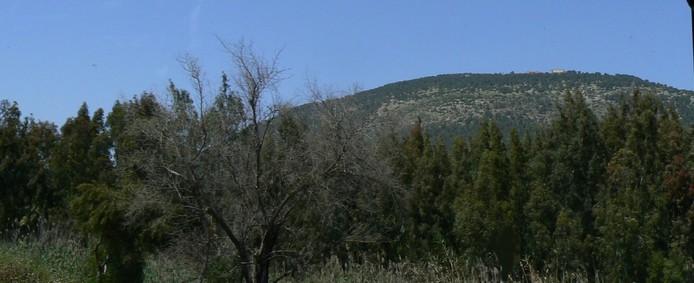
(450, 270)
(50, 254)
(56, 257)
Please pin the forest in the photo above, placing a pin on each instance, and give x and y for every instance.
(227, 185)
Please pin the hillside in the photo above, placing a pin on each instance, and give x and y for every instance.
(454, 104)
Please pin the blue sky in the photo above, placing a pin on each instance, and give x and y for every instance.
(54, 55)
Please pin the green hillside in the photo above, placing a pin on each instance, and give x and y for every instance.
(454, 104)
(164, 190)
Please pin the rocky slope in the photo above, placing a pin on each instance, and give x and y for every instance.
(454, 104)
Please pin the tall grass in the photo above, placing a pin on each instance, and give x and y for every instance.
(446, 270)
(49, 255)
(58, 255)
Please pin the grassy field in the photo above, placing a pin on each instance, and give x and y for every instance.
(60, 260)
(30, 261)
(60, 255)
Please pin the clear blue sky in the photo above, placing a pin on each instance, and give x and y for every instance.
(54, 55)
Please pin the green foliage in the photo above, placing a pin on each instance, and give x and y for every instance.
(96, 209)
(84, 172)
(25, 147)
(455, 104)
(605, 196)
(591, 196)
(541, 212)
(14, 269)
(519, 179)
(425, 168)
(82, 154)
(485, 214)
(50, 257)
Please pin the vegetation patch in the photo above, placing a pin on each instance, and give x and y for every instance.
(225, 184)
(30, 262)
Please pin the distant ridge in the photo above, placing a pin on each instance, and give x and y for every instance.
(455, 104)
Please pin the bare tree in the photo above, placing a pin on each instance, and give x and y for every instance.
(247, 168)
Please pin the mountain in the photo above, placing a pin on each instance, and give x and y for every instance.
(455, 104)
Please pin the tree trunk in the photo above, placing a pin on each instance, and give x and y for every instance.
(262, 271)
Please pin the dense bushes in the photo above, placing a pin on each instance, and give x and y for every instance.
(611, 197)
(582, 197)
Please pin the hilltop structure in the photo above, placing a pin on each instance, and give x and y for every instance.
(552, 71)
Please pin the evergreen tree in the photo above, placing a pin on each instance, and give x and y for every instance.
(84, 174)
(427, 167)
(570, 246)
(413, 148)
(11, 183)
(541, 213)
(98, 210)
(485, 220)
(39, 140)
(626, 219)
(460, 165)
(519, 183)
(566, 170)
(82, 154)
(431, 199)
(25, 147)
(577, 159)
(613, 128)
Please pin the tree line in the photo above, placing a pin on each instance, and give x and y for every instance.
(245, 188)
(610, 197)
